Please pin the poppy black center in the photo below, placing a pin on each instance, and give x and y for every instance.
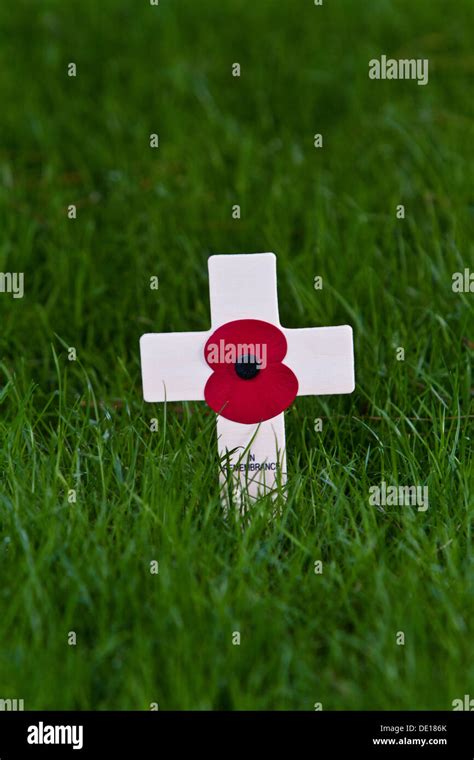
(247, 367)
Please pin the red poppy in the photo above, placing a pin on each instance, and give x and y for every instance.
(249, 383)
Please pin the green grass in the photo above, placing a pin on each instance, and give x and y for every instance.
(83, 425)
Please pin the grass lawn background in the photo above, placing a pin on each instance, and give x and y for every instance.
(143, 496)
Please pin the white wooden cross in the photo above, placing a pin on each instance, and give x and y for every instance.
(174, 368)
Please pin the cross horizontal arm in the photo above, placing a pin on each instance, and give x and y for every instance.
(322, 359)
(173, 366)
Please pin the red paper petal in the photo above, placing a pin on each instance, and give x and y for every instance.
(243, 332)
(251, 401)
